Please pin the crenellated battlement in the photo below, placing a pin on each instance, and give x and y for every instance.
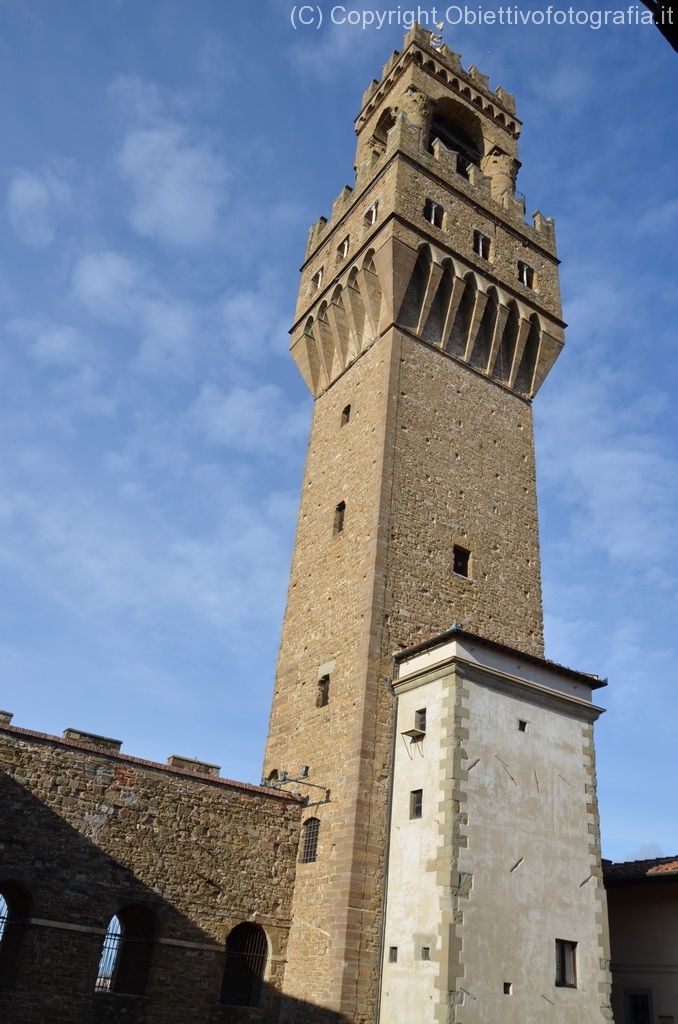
(445, 65)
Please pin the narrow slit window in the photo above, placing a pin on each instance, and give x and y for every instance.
(425, 952)
(416, 802)
(309, 848)
(525, 274)
(481, 245)
(339, 514)
(433, 213)
(342, 250)
(566, 964)
(393, 955)
(507, 988)
(323, 698)
(460, 560)
(317, 279)
(345, 415)
(371, 215)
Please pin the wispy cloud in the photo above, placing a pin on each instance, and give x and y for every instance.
(178, 181)
(258, 420)
(114, 288)
(35, 203)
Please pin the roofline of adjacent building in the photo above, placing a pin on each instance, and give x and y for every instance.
(455, 632)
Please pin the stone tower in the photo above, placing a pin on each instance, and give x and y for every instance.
(428, 317)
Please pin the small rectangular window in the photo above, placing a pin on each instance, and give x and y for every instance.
(433, 213)
(371, 215)
(566, 964)
(420, 719)
(339, 514)
(481, 245)
(345, 415)
(425, 952)
(393, 955)
(317, 279)
(416, 803)
(460, 560)
(323, 698)
(342, 251)
(523, 726)
(507, 988)
(525, 274)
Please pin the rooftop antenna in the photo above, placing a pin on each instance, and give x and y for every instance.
(483, 58)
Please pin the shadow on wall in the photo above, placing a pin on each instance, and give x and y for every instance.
(84, 941)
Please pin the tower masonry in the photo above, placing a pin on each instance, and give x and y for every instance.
(428, 317)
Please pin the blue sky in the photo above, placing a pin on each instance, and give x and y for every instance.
(160, 166)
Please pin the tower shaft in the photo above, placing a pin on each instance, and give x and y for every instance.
(428, 316)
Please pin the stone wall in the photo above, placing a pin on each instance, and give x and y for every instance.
(86, 832)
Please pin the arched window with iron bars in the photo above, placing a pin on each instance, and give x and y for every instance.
(15, 905)
(244, 966)
(309, 841)
(127, 952)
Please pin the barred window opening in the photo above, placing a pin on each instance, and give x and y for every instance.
(309, 849)
(244, 966)
(109, 956)
(127, 952)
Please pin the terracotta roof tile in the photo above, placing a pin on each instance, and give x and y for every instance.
(635, 872)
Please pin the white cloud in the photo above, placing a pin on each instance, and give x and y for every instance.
(169, 336)
(658, 218)
(59, 345)
(338, 49)
(611, 469)
(106, 282)
(115, 289)
(257, 421)
(254, 323)
(35, 203)
(648, 851)
(178, 182)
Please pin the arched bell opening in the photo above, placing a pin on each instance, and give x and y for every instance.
(458, 130)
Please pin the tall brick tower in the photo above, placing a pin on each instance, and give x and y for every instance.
(428, 317)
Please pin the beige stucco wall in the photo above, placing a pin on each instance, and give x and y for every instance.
(516, 841)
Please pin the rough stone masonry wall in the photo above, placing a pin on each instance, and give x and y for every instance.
(87, 833)
(330, 614)
(463, 474)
